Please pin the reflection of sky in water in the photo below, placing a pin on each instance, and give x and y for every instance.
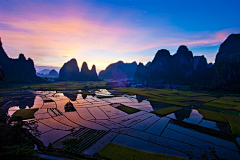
(100, 114)
(13, 109)
(195, 117)
(99, 108)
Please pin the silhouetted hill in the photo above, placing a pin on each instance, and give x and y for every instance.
(203, 72)
(183, 68)
(119, 70)
(166, 68)
(17, 70)
(44, 72)
(53, 73)
(182, 65)
(227, 62)
(141, 74)
(148, 64)
(70, 71)
(180, 68)
(93, 73)
(88, 75)
(48, 73)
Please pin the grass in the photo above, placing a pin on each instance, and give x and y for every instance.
(213, 106)
(234, 122)
(127, 109)
(212, 116)
(166, 111)
(237, 107)
(201, 98)
(25, 113)
(219, 105)
(117, 152)
(66, 85)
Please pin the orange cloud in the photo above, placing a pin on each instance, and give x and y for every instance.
(52, 36)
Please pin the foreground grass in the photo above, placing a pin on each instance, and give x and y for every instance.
(167, 111)
(212, 116)
(117, 152)
(25, 113)
(127, 109)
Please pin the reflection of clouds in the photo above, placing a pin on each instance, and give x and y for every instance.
(12, 110)
(195, 117)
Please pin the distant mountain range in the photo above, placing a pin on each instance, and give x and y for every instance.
(49, 68)
(44, 71)
(48, 73)
(119, 70)
(181, 68)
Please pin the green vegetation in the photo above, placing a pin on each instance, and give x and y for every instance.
(211, 115)
(117, 152)
(234, 122)
(217, 107)
(166, 111)
(237, 107)
(24, 113)
(127, 109)
(224, 103)
(65, 85)
(14, 143)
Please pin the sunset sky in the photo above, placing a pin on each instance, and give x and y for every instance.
(52, 32)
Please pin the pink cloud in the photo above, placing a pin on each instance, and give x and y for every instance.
(51, 35)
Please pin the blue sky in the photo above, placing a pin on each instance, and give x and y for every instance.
(102, 32)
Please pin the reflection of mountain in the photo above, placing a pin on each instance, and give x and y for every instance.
(182, 114)
(72, 97)
(158, 105)
(222, 127)
(84, 96)
(69, 107)
(23, 102)
(140, 98)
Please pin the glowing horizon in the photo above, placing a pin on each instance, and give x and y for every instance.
(100, 33)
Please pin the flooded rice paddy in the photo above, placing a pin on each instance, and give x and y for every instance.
(96, 121)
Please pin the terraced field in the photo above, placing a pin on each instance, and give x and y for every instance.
(211, 105)
(175, 128)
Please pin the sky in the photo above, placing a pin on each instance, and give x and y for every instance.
(102, 32)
